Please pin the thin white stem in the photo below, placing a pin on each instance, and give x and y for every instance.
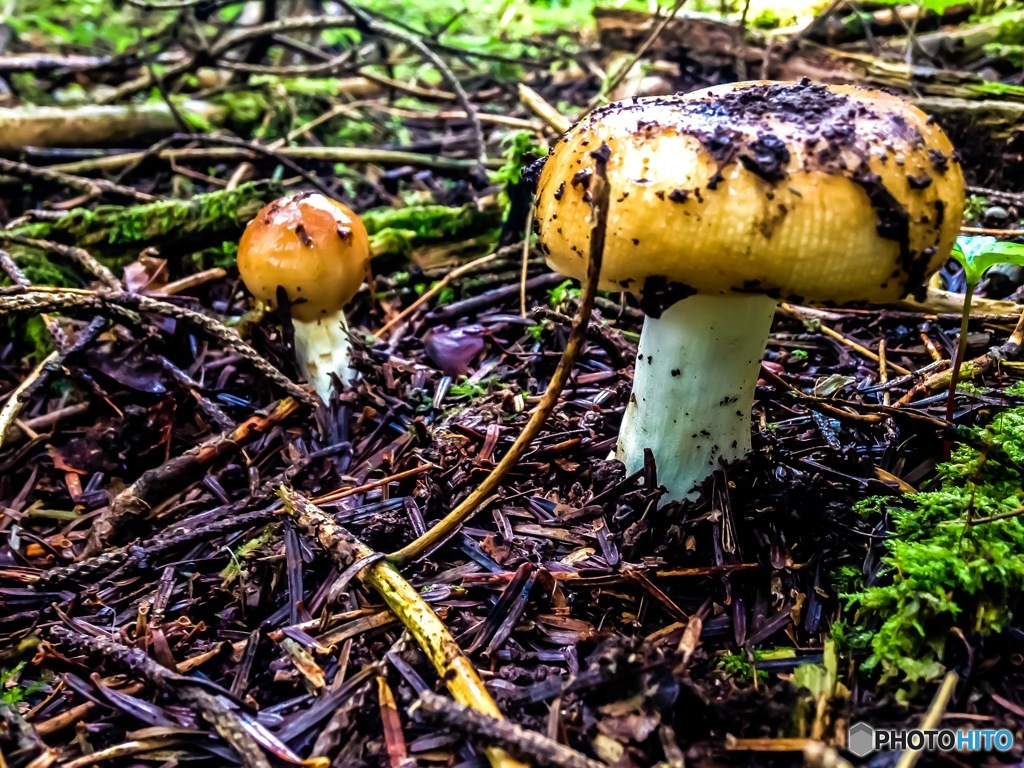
(322, 348)
(693, 388)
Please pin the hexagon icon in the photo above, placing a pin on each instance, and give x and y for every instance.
(860, 739)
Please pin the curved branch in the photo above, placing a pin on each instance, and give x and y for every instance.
(414, 41)
(444, 528)
(125, 306)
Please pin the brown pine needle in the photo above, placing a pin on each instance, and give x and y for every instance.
(444, 528)
(405, 602)
(431, 292)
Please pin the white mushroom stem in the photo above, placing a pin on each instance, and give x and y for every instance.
(693, 388)
(322, 348)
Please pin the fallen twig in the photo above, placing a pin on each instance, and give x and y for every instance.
(213, 708)
(536, 103)
(90, 126)
(133, 502)
(80, 256)
(445, 527)
(939, 381)
(435, 289)
(406, 603)
(53, 363)
(932, 717)
(77, 183)
(532, 746)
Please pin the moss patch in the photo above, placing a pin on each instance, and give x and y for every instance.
(954, 559)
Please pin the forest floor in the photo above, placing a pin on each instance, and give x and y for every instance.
(159, 605)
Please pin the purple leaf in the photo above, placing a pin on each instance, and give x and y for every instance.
(453, 349)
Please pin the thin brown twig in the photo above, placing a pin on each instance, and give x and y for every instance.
(126, 306)
(995, 232)
(540, 107)
(53, 363)
(939, 381)
(77, 183)
(538, 749)
(932, 717)
(211, 707)
(431, 292)
(246, 151)
(445, 527)
(484, 117)
(258, 149)
(818, 325)
(344, 493)
(524, 266)
(883, 372)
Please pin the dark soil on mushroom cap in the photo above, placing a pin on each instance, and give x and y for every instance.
(756, 125)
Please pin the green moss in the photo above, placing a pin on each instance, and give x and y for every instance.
(11, 692)
(221, 214)
(445, 296)
(392, 240)
(947, 567)
(1014, 54)
(846, 578)
(766, 19)
(740, 668)
(223, 255)
(521, 148)
(246, 552)
(474, 389)
(995, 88)
(1016, 390)
(974, 207)
(561, 293)
(1011, 25)
(432, 222)
(244, 107)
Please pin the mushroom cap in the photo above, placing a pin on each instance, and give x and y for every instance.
(315, 248)
(805, 192)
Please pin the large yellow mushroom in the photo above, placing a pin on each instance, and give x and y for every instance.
(318, 252)
(726, 201)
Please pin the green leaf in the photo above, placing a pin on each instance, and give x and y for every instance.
(936, 6)
(977, 254)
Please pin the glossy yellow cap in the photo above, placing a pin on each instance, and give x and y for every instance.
(314, 247)
(807, 193)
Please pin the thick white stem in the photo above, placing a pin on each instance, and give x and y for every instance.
(321, 349)
(694, 387)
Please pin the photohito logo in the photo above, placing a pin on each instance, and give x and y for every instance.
(862, 740)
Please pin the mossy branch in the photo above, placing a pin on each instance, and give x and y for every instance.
(220, 216)
(222, 213)
(405, 602)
